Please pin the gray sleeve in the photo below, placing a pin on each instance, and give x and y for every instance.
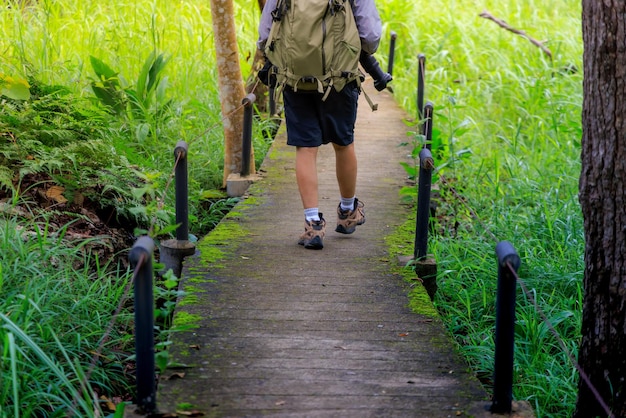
(369, 24)
(266, 23)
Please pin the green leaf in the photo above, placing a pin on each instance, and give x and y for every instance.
(142, 132)
(119, 410)
(156, 69)
(6, 178)
(103, 71)
(108, 97)
(142, 80)
(14, 88)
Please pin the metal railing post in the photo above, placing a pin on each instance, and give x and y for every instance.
(141, 261)
(272, 100)
(423, 204)
(508, 260)
(246, 149)
(173, 251)
(427, 125)
(421, 69)
(182, 193)
(392, 52)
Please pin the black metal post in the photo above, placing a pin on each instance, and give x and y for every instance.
(392, 52)
(182, 191)
(423, 204)
(427, 125)
(505, 328)
(272, 100)
(246, 149)
(421, 69)
(141, 261)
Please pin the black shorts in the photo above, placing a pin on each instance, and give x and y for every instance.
(312, 122)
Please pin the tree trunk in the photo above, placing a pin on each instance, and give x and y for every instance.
(602, 353)
(231, 86)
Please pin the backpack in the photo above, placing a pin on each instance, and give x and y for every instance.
(314, 45)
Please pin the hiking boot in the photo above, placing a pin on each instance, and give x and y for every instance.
(347, 220)
(313, 237)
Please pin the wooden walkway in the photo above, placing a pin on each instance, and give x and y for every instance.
(282, 331)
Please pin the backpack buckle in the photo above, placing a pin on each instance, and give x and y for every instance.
(336, 6)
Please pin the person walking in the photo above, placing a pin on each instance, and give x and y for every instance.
(314, 118)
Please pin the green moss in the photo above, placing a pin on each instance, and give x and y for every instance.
(197, 275)
(420, 302)
(220, 241)
(251, 201)
(184, 406)
(227, 236)
(188, 299)
(186, 319)
(400, 244)
(194, 289)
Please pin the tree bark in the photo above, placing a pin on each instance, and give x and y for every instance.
(602, 354)
(231, 85)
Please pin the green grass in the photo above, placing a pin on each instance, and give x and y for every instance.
(507, 135)
(507, 121)
(56, 302)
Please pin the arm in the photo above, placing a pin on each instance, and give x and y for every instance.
(370, 30)
(369, 24)
(266, 23)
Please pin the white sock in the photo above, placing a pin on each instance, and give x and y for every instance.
(347, 203)
(312, 214)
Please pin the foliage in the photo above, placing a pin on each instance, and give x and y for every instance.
(506, 144)
(64, 140)
(144, 104)
(16, 89)
(52, 323)
(69, 118)
(505, 140)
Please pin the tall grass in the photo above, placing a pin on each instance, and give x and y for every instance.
(56, 303)
(53, 40)
(518, 113)
(56, 299)
(507, 121)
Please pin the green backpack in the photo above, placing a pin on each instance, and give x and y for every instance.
(314, 45)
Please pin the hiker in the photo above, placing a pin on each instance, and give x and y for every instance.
(319, 111)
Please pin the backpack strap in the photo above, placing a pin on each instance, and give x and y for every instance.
(373, 106)
(281, 8)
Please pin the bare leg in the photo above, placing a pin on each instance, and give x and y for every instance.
(346, 169)
(306, 176)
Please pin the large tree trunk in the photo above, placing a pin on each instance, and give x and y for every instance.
(602, 353)
(231, 86)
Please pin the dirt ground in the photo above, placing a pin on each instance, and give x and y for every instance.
(43, 206)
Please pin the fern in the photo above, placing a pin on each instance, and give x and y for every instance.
(6, 177)
(64, 138)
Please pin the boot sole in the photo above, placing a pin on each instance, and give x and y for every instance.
(315, 244)
(342, 229)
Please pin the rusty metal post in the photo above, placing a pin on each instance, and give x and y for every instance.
(421, 69)
(272, 100)
(140, 257)
(423, 204)
(424, 264)
(427, 125)
(246, 148)
(173, 251)
(182, 193)
(508, 264)
(392, 52)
